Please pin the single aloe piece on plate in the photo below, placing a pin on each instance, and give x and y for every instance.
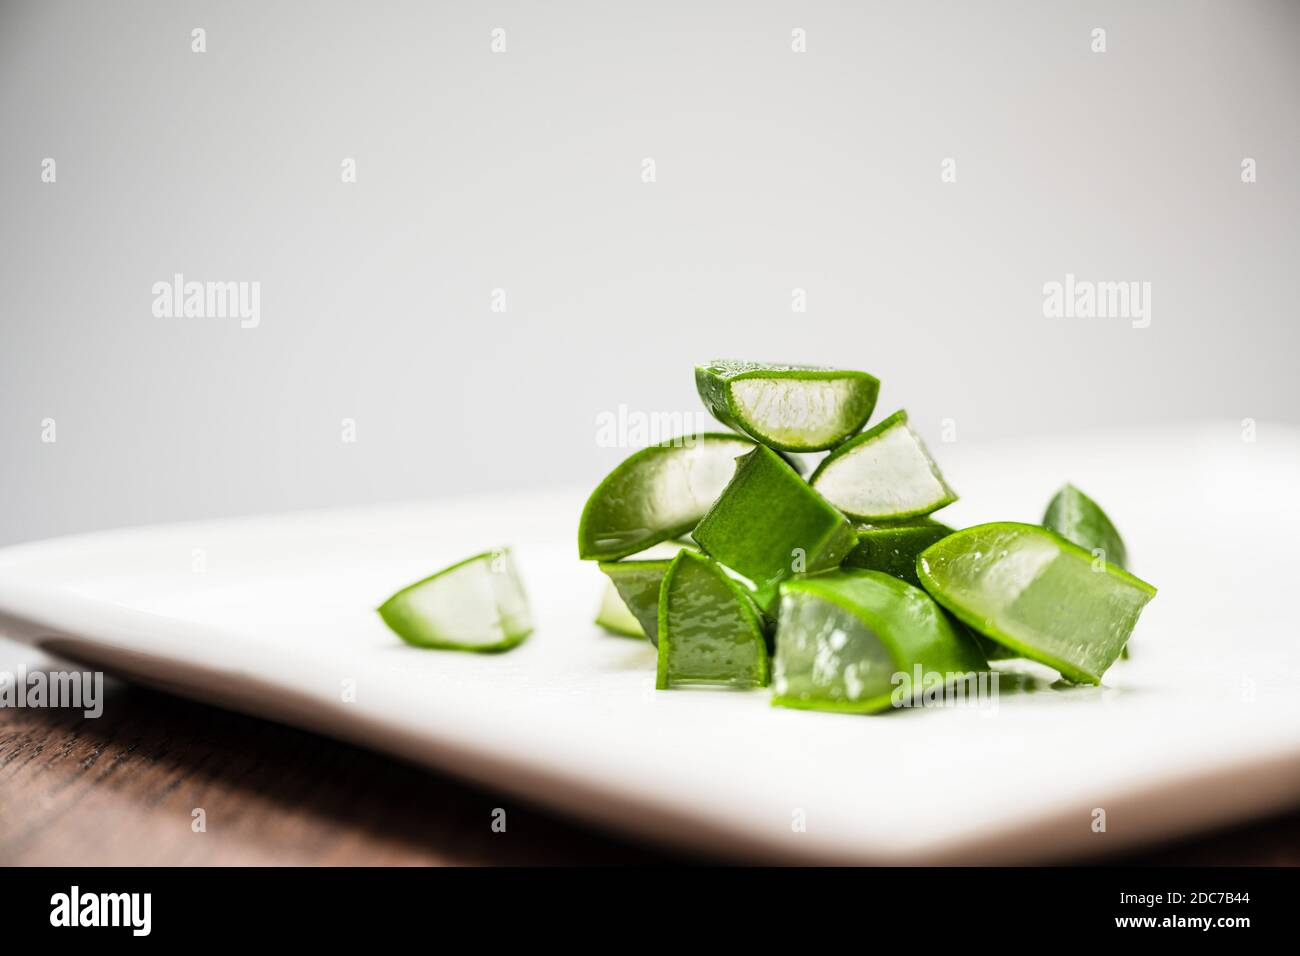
(710, 631)
(636, 582)
(854, 641)
(1077, 518)
(892, 546)
(789, 407)
(1041, 596)
(475, 605)
(884, 474)
(769, 525)
(658, 493)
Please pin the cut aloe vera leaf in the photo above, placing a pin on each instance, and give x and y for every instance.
(475, 605)
(1076, 517)
(892, 547)
(637, 580)
(1079, 519)
(789, 407)
(884, 474)
(1029, 589)
(854, 641)
(658, 493)
(710, 631)
(769, 525)
(614, 615)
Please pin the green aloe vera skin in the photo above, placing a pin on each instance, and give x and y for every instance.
(853, 641)
(769, 525)
(658, 493)
(637, 584)
(892, 546)
(1079, 519)
(474, 605)
(788, 407)
(1041, 596)
(637, 580)
(710, 631)
(614, 616)
(884, 474)
(1076, 517)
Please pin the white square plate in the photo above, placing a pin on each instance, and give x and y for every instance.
(274, 616)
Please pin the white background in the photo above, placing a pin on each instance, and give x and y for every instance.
(522, 171)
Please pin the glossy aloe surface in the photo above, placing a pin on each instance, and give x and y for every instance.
(853, 640)
(1077, 518)
(892, 547)
(710, 631)
(614, 615)
(789, 407)
(1045, 598)
(769, 525)
(884, 474)
(637, 580)
(657, 493)
(474, 605)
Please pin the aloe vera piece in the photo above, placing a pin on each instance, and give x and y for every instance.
(637, 585)
(474, 605)
(1041, 596)
(615, 616)
(789, 407)
(657, 493)
(884, 474)
(637, 580)
(892, 547)
(1079, 519)
(769, 524)
(710, 631)
(990, 648)
(853, 640)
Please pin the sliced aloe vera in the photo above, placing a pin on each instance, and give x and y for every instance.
(710, 632)
(637, 580)
(769, 524)
(790, 407)
(658, 493)
(854, 641)
(1077, 518)
(475, 605)
(615, 616)
(892, 547)
(1043, 597)
(884, 474)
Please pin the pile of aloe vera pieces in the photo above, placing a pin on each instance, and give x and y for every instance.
(837, 588)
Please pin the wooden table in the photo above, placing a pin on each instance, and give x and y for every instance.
(123, 789)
